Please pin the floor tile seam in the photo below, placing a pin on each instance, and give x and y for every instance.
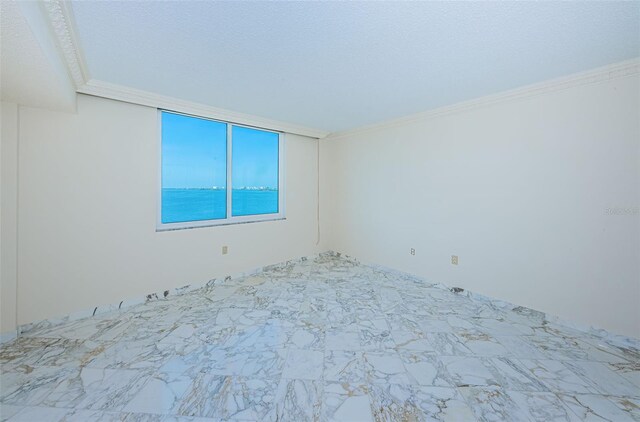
(467, 402)
(545, 383)
(594, 384)
(604, 396)
(566, 407)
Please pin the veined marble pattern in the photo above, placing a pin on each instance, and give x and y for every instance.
(320, 339)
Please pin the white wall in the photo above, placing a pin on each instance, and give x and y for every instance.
(87, 215)
(8, 217)
(518, 190)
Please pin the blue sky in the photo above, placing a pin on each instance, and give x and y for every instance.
(255, 158)
(194, 154)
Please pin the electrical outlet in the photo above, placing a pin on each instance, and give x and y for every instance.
(454, 259)
(412, 251)
(225, 250)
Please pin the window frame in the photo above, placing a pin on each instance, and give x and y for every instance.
(229, 219)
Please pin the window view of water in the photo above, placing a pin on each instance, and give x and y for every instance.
(182, 205)
(254, 164)
(194, 170)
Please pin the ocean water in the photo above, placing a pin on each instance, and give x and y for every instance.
(180, 205)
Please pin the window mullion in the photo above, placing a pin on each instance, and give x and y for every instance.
(229, 172)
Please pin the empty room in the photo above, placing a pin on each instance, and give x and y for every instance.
(319, 211)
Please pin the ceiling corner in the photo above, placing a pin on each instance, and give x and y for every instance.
(35, 72)
(62, 25)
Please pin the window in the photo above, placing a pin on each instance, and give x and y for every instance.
(255, 171)
(202, 158)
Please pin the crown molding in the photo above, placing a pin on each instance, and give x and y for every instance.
(61, 21)
(62, 96)
(594, 76)
(135, 96)
(60, 18)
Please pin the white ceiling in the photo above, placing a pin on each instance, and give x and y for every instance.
(340, 65)
(31, 72)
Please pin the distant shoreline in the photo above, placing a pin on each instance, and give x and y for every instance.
(247, 188)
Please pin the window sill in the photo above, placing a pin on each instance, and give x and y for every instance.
(210, 223)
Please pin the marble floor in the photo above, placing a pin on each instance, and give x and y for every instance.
(321, 339)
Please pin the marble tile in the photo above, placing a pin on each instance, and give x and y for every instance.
(324, 338)
(182, 333)
(346, 402)
(161, 393)
(298, 400)
(492, 403)
(343, 339)
(26, 385)
(402, 319)
(307, 337)
(304, 364)
(199, 400)
(8, 410)
(174, 418)
(627, 349)
(83, 329)
(426, 369)
(394, 402)
(410, 341)
(447, 344)
(502, 327)
(83, 415)
(603, 379)
(136, 354)
(482, 345)
(266, 364)
(557, 376)
(628, 370)
(271, 334)
(376, 339)
(385, 368)
(514, 376)
(227, 397)
(571, 348)
(344, 366)
(57, 352)
(434, 325)
(541, 407)
(630, 405)
(195, 356)
(592, 407)
(97, 389)
(467, 371)
(40, 414)
(521, 347)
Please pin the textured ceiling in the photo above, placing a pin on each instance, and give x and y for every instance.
(340, 65)
(29, 73)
